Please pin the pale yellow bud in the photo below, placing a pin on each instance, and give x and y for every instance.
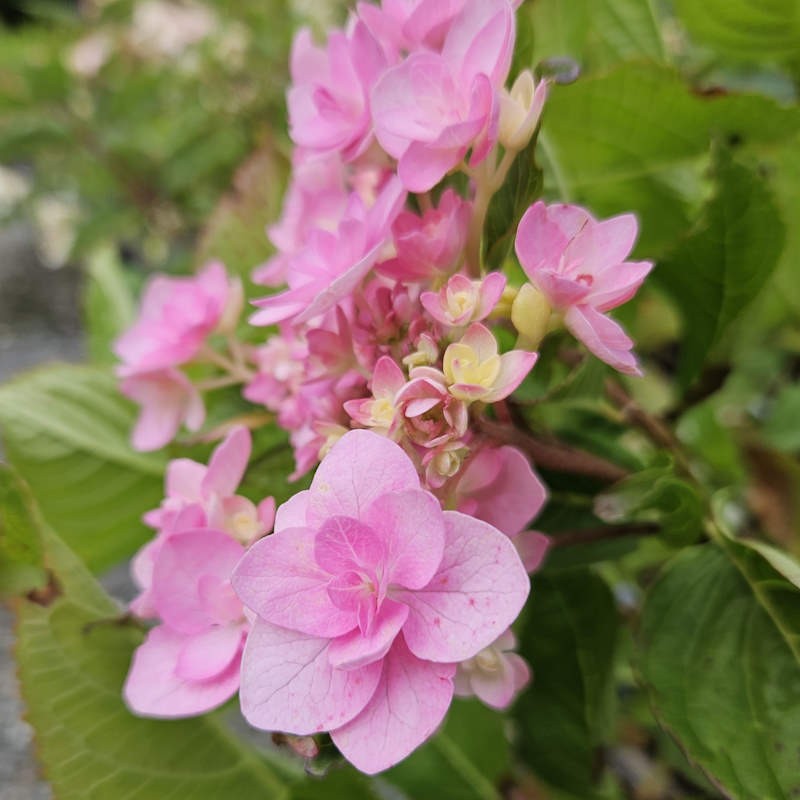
(530, 315)
(520, 110)
(233, 307)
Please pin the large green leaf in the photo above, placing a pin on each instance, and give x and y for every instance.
(468, 758)
(21, 553)
(639, 138)
(73, 656)
(569, 639)
(66, 430)
(757, 29)
(720, 268)
(719, 651)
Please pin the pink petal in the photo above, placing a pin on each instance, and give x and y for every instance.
(604, 337)
(360, 467)
(603, 244)
(387, 379)
(491, 291)
(532, 547)
(228, 463)
(184, 479)
(477, 593)
(407, 707)
(206, 655)
(354, 649)
(344, 544)
(481, 340)
(514, 367)
(544, 233)
(152, 688)
(422, 166)
(292, 514)
(182, 561)
(289, 685)
(279, 579)
(499, 688)
(412, 528)
(617, 285)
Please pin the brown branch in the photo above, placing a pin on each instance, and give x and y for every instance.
(554, 455)
(602, 533)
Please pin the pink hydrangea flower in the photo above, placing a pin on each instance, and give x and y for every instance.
(461, 300)
(190, 663)
(580, 265)
(499, 486)
(176, 317)
(431, 244)
(332, 265)
(496, 675)
(200, 496)
(474, 369)
(432, 415)
(168, 399)
(380, 412)
(329, 98)
(431, 109)
(366, 597)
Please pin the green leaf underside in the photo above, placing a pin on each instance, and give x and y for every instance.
(66, 430)
(569, 638)
(721, 267)
(719, 650)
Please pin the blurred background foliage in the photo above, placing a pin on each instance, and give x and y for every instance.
(665, 639)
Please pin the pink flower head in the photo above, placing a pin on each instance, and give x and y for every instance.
(432, 415)
(380, 412)
(461, 301)
(476, 371)
(429, 245)
(190, 663)
(496, 675)
(176, 317)
(579, 264)
(168, 399)
(332, 265)
(499, 486)
(366, 596)
(200, 496)
(432, 108)
(282, 367)
(329, 99)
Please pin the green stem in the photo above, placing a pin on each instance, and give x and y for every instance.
(473, 777)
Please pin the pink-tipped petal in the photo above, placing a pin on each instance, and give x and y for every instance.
(532, 547)
(514, 368)
(477, 593)
(289, 685)
(292, 513)
(407, 707)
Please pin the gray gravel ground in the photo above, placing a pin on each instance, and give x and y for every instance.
(39, 322)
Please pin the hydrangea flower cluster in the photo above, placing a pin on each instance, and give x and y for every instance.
(391, 584)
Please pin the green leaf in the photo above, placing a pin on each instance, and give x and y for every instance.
(21, 553)
(719, 651)
(782, 429)
(639, 138)
(73, 656)
(565, 715)
(719, 269)
(110, 305)
(745, 29)
(66, 430)
(464, 761)
(520, 190)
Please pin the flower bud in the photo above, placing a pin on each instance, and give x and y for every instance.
(520, 109)
(530, 315)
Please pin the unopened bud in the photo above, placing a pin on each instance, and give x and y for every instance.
(520, 110)
(530, 315)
